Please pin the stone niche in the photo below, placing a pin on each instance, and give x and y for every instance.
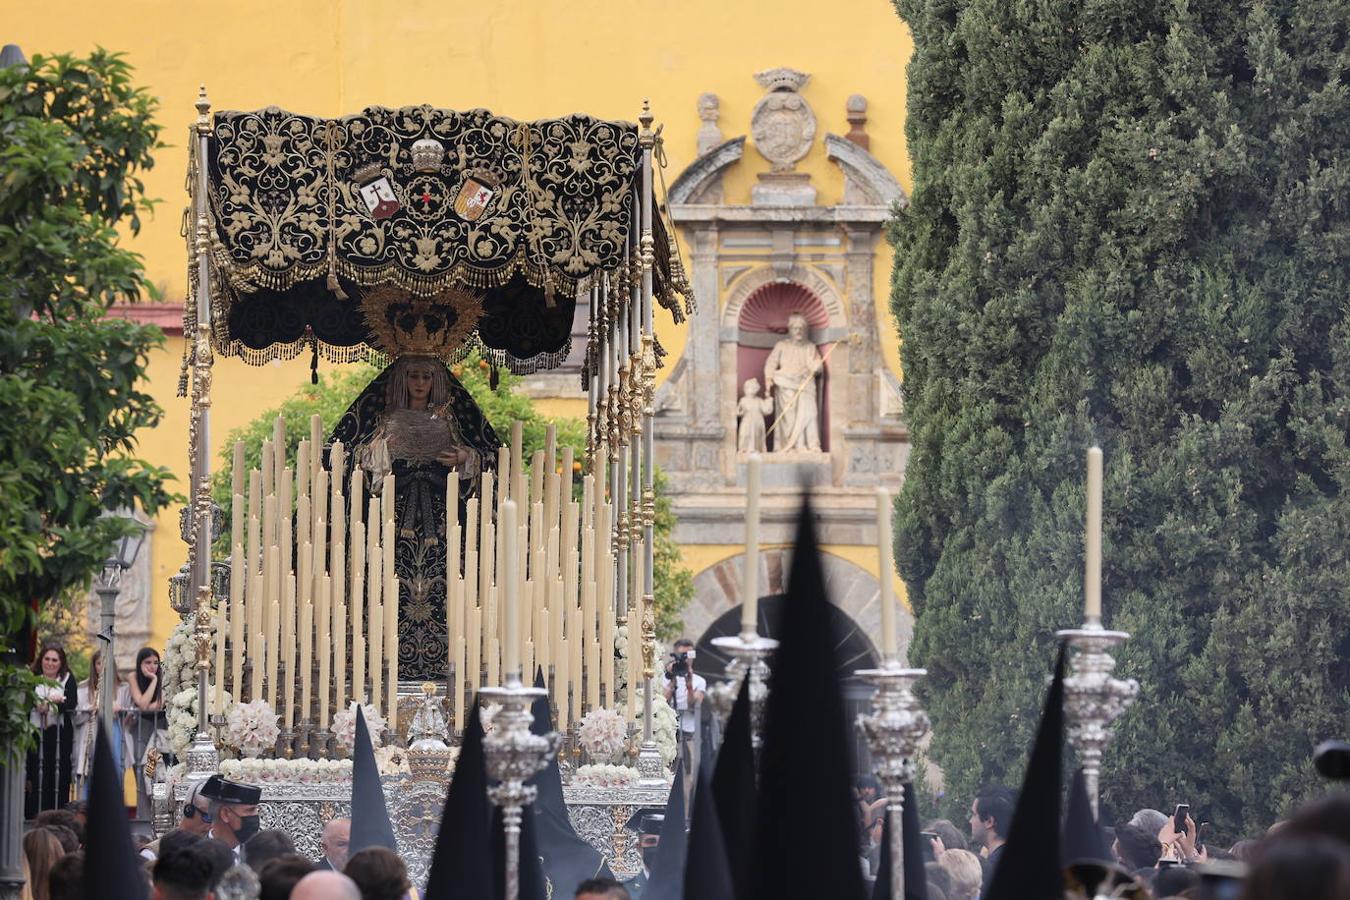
(752, 265)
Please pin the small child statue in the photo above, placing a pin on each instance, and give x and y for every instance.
(752, 409)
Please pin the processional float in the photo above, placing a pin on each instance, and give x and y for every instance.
(423, 234)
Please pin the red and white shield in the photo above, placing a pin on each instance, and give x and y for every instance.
(379, 198)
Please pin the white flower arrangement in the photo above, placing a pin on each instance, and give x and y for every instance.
(664, 723)
(182, 716)
(605, 776)
(178, 666)
(603, 733)
(621, 663)
(287, 771)
(344, 726)
(251, 728)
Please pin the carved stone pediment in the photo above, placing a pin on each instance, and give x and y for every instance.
(866, 181)
(702, 181)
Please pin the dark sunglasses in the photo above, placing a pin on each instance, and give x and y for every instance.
(191, 811)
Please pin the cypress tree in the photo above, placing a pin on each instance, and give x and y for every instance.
(1129, 226)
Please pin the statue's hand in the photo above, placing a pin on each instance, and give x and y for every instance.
(453, 458)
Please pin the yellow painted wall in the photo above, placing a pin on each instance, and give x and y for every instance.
(522, 58)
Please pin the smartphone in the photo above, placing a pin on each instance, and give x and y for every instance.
(1200, 835)
(928, 838)
(1179, 817)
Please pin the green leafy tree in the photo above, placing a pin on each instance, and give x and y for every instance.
(1129, 226)
(502, 405)
(74, 133)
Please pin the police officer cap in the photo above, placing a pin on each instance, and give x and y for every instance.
(222, 790)
(647, 820)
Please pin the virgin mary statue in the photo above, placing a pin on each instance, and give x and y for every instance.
(417, 421)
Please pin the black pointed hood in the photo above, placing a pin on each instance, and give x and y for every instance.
(707, 873)
(370, 817)
(461, 865)
(916, 876)
(1082, 839)
(732, 786)
(667, 877)
(804, 806)
(1029, 865)
(109, 856)
(568, 859)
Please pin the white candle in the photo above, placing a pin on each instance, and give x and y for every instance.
(1092, 582)
(222, 623)
(391, 647)
(306, 657)
(325, 622)
(750, 580)
(887, 573)
(473, 674)
(288, 651)
(374, 612)
(238, 576)
(511, 604)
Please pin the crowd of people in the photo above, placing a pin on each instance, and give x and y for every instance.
(1306, 856)
(57, 768)
(216, 851)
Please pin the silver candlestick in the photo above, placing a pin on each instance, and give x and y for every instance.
(514, 755)
(1093, 699)
(893, 730)
(749, 656)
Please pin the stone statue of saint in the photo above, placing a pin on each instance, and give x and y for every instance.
(790, 372)
(752, 409)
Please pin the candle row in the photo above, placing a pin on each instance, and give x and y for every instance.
(306, 616)
(531, 582)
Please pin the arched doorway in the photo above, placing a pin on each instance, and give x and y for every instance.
(854, 594)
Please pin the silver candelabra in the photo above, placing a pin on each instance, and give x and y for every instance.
(749, 657)
(893, 730)
(514, 755)
(1093, 698)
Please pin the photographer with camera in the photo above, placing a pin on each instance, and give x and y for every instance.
(685, 691)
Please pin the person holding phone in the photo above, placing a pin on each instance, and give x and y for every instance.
(1178, 838)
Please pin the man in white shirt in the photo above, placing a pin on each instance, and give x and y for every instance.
(685, 691)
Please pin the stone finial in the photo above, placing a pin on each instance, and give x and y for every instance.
(709, 110)
(856, 110)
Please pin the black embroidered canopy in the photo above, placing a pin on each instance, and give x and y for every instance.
(485, 225)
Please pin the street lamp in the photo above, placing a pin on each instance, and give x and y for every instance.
(121, 556)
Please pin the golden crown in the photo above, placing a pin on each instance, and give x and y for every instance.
(403, 324)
